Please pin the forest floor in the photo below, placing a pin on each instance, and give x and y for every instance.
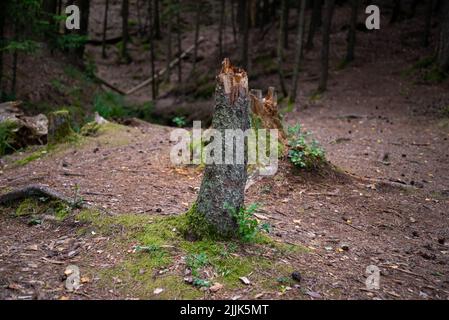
(387, 206)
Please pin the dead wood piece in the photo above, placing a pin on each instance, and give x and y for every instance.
(266, 110)
(35, 190)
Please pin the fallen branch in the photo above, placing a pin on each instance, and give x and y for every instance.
(162, 72)
(37, 191)
(110, 86)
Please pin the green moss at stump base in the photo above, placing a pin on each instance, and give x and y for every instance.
(59, 129)
(159, 245)
(197, 227)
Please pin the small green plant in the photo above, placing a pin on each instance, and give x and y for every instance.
(248, 226)
(180, 121)
(303, 154)
(109, 105)
(7, 133)
(195, 262)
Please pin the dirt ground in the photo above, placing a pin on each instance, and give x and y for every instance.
(389, 208)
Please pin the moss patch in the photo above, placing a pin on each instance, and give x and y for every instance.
(35, 208)
(161, 254)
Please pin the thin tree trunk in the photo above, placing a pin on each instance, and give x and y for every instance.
(105, 27)
(178, 38)
(299, 41)
(157, 23)
(315, 22)
(352, 31)
(222, 190)
(245, 38)
(396, 11)
(197, 35)
(428, 24)
(2, 41)
(286, 14)
(151, 38)
(169, 44)
(125, 34)
(280, 53)
(84, 26)
(221, 30)
(325, 45)
(233, 18)
(443, 52)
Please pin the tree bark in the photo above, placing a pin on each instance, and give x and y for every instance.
(315, 22)
(325, 44)
(125, 34)
(223, 186)
(105, 27)
(352, 31)
(443, 51)
(299, 41)
(280, 51)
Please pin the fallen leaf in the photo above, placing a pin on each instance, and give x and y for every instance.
(85, 279)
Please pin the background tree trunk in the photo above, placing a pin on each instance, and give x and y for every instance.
(352, 31)
(84, 26)
(197, 34)
(169, 42)
(299, 41)
(151, 38)
(396, 11)
(325, 45)
(280, 51)
(443, 51)
(315, 22)
(285, 18)
(157, 21)
(2, 41)
(178, 38)
(428, 24)
(245, 36)
(125, 34)
(105, 27)
(223, 185)
(221, 29)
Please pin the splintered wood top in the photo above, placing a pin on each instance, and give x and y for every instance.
(233, 78)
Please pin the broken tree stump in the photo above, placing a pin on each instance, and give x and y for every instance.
(59, 126)
(222, 190)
